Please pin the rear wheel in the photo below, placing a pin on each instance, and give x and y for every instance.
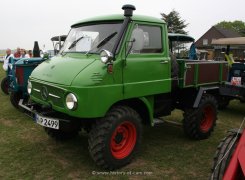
(114, 139)
(199, 122)
(174, 66)
(223, 155)
(5, 85)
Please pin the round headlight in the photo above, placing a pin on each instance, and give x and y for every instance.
(71, 101)
(29, 87)
(105, 56)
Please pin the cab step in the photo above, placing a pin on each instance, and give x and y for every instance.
(161, 121)
(158, 122)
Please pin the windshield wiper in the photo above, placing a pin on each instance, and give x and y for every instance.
(106, 40)
(73, 44)
(103, 42)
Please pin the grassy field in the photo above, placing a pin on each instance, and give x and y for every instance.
(26, 152)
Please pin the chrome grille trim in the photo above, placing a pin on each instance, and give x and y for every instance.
(52, 95)
(36, 89)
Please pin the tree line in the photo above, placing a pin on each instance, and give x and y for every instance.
(176, 24)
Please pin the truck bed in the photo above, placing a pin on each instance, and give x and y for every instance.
(193, 73)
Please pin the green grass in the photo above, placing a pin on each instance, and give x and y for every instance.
(26, 152)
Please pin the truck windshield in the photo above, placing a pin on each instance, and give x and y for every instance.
(91, 38)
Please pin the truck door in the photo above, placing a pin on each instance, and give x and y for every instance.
(147, 71)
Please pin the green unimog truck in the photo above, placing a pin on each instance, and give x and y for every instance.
(115, 73)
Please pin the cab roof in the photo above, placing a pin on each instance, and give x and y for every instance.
(118, 17)
(229, 41)
(180, 37)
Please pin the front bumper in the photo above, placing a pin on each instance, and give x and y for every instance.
(66, 123)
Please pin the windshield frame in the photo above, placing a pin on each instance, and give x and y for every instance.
(92, 50)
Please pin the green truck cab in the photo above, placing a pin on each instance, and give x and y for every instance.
(114, 74)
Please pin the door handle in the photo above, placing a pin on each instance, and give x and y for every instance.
(163, 62)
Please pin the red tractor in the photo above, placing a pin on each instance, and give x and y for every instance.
(229, 159)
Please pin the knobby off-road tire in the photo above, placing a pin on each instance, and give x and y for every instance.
(228, 143)
(114, 139)
(15, 98)
(5, 85)
(60, 135)
(174, 66)
(174, 71)
(199, 122)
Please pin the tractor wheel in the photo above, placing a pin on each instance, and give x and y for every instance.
(15, 98)
(198, 123)
(223, 102)
(60, 135)
(223, 155)
(114, 139)
(5, 85)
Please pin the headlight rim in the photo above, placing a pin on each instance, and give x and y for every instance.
(29, 87)
(106, 56)
(75, 101)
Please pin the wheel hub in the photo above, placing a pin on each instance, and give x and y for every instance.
(118, 138)
(208, 118)
(123, 140)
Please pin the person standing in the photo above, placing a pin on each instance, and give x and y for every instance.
(36, 50)
(6, 59)
(30, 53)
(17, 53)
(23, 54)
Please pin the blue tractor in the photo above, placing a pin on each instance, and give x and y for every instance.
(19, 70)
(6, 80)
(234, 88)
(18, 80)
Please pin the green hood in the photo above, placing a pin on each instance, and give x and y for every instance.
(60, 70)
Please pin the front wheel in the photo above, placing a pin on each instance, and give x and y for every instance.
(5, 85)
(199, 122)
(114, 139)
(223, 155)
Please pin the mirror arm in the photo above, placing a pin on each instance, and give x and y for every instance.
(120, 35)
(127, 52)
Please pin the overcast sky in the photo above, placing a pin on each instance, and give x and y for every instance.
(26, 21)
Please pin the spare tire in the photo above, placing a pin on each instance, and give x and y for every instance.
(174, 67)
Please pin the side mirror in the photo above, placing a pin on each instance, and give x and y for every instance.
(138, 39)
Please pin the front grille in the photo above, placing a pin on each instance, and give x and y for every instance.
(48, 93)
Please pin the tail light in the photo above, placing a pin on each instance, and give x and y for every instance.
(19, 72)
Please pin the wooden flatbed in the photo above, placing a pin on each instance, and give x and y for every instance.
(195, 73)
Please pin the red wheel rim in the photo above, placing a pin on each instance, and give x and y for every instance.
(123, 140)
(208, 118)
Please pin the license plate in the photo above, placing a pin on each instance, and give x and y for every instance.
(47, 122)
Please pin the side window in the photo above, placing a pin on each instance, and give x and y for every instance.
(148, 38)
